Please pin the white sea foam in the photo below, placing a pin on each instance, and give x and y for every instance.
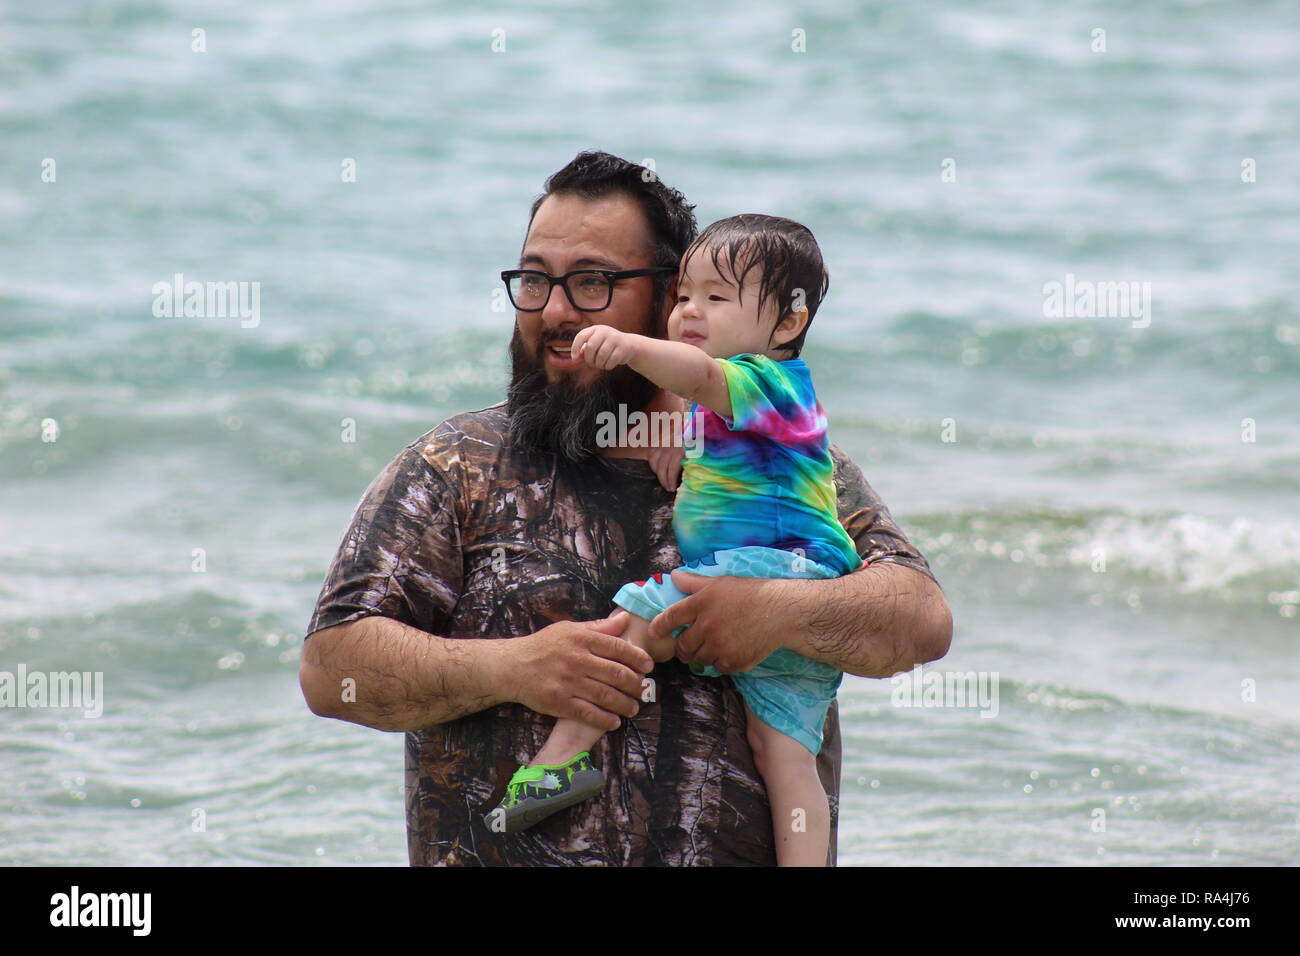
(1194, 552)
(1232, 557)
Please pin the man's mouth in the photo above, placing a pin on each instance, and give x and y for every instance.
(560, 355)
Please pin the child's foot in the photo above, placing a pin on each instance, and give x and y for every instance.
(534, 793)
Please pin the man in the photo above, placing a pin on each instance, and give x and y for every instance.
(511, 522)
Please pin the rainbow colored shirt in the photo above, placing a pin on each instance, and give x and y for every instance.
(764, 477)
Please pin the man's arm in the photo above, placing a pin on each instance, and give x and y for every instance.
(387, 675)
(873, 622)
(374, 654)
(384, 674)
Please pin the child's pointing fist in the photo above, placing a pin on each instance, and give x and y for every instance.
(603, 346)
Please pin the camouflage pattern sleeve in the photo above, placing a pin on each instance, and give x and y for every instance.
(867, 520)
(401, 555)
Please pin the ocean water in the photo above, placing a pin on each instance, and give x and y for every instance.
(1111, 501)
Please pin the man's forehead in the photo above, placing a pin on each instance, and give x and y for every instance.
(575, 229)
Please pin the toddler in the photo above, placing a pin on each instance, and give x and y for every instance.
(757, 499)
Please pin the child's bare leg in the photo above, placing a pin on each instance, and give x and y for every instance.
(571, 737)
(638, 632)
(801, 814)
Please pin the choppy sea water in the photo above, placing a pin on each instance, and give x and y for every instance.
(1114, 520)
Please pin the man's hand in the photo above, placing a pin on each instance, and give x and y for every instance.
(713, 610)
(581, 670)
(604, 347)
(667, 462)
(874, 622)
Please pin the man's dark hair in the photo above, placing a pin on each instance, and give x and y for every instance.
(792, 273)
(594, 174)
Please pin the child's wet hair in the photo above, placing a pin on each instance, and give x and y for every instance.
(792, 273)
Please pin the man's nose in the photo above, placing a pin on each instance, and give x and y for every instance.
(558, 309)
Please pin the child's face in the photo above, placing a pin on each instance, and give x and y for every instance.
(712, 316)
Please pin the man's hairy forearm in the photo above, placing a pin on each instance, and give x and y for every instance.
(873, 622)
(402, 678)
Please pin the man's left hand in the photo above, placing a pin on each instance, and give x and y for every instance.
(734, 622)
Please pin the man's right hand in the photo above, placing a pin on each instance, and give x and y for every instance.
(581, 670)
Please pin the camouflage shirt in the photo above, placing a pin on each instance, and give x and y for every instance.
(462, 536)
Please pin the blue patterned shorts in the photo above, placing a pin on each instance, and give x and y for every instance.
(785, 690)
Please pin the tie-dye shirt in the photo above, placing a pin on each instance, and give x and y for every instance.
(764, 477)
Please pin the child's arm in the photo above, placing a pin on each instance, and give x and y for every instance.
(680, 368)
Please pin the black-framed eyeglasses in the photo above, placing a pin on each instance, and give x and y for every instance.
(589, 290)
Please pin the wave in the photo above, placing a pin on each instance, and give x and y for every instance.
(1231, 558)
(1258, 340)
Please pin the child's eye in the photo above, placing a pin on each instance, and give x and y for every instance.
(716, 298)
(681, 299)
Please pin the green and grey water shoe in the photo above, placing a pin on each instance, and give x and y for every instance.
(534, 793)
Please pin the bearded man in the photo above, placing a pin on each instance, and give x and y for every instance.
(469, 602)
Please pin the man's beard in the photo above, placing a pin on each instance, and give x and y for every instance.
(564, 418)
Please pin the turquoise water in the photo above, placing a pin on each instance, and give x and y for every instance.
(1119, 689)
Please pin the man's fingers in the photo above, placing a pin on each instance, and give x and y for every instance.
(609, 699)
(689, 644)
(621, 652)
(670, 619)
(668, 478)
(724, 666)
(703, 654)
(627, 681)
(588, 713)
(690, 582)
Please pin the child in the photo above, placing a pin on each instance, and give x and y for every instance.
(757, 499)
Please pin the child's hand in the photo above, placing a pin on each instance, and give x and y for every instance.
(604, 347)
